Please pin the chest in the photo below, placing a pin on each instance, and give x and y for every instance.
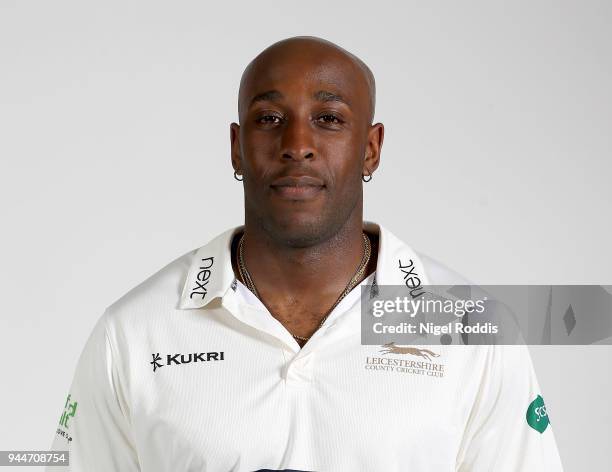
(346, 407)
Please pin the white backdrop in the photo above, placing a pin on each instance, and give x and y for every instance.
(114, 148)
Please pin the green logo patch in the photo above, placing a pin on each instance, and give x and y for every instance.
(536, 415)
(69, 412)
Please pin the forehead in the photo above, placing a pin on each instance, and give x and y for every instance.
(303, 73)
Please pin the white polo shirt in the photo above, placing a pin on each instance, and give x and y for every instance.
(188, 371)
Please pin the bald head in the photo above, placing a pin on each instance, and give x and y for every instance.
(313, 56)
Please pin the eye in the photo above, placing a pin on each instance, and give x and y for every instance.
(268, 119)
(330, 119)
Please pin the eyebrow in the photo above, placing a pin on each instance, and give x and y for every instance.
(321, 95)
(325, 96)
(269, 96)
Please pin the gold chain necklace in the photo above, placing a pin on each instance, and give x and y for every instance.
(248, 281)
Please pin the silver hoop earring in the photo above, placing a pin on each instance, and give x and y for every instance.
(363, 177)
(236, 174)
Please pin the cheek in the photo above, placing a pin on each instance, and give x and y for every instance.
(343, 149)
(345, 166)
(257, 156)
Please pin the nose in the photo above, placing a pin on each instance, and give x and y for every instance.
(297, 141)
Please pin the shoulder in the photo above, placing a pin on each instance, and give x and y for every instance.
(152, 303)
(159, 293)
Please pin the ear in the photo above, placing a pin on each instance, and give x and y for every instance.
(235, 147)
(376, 134)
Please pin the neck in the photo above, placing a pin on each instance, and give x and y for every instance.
(304, 277)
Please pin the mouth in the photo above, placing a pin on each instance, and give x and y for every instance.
(303, 187)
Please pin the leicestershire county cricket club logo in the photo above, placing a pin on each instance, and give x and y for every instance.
(386, 363)
(537, 416)
(414, 351)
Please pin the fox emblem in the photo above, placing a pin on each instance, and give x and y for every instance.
(413, 351)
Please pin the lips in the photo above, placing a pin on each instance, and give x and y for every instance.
(297, 187)
(297, 181)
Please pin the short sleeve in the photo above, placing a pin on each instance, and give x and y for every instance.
(509, 428)
(94, 422)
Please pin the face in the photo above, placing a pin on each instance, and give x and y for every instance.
(303, 143)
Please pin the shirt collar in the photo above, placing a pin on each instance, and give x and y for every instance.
(210, 274)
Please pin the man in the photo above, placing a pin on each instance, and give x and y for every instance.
(245, 354)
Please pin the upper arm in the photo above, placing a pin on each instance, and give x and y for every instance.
(508, 428)
(94, 425)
